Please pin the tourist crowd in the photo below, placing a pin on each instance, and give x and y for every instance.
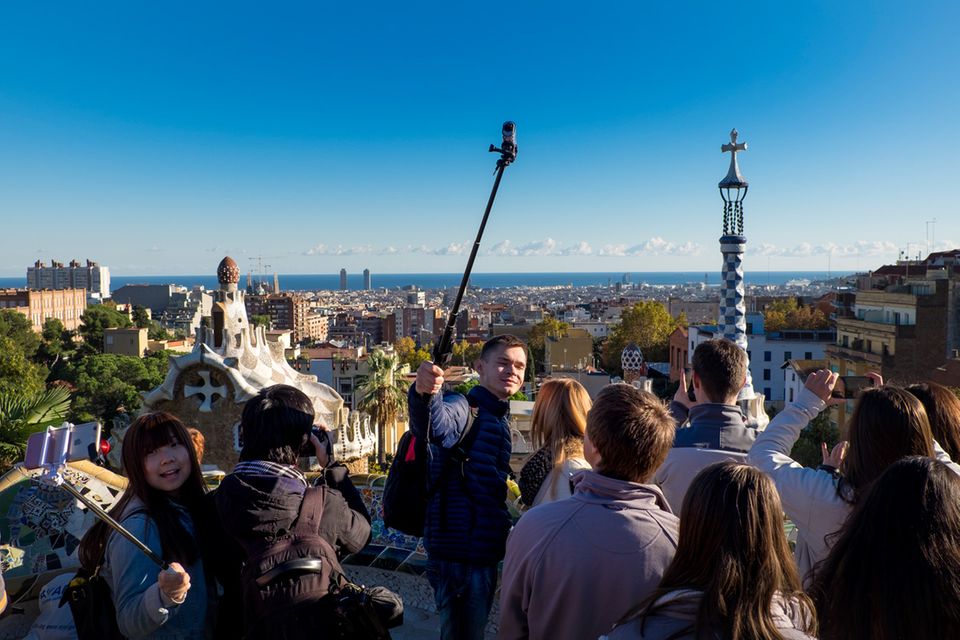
(643, 520)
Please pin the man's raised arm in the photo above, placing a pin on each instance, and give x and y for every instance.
(444, 413)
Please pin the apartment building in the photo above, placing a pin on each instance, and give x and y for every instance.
(66, 305)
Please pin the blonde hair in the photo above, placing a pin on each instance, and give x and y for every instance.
(560, 420)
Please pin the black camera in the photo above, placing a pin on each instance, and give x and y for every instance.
(323, 436)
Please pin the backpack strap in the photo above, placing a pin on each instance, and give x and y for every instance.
(458, 454)
(311, 511)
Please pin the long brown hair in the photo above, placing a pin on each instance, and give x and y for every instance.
(733, 550)
(894, 571)
(887, 424)
(148, 432)
(943, 412)
(559, 421)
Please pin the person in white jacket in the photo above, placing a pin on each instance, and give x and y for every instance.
(887, 424)
(558, 423)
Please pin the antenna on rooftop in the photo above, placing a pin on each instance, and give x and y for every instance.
(931, 236)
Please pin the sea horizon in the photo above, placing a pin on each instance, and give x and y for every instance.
(331, 281)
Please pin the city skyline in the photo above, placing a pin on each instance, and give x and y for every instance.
(338, 137)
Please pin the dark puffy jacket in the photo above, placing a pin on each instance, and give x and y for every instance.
(252, 507)
(713, 426)
(467, 519)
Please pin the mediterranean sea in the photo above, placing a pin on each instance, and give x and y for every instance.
(331, 281)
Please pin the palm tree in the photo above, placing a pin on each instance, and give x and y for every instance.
(382, 395)
(21, 416)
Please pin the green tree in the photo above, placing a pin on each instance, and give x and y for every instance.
(260, 320)
(140, 317)
(806, 451)
(538, 336)
(382, 395)
(646, 323)
(94, 320)
(409, 353)
(16, 326)
(466, 353)
(18, 375)
(22, 415)
(105, 382)
(56, 344)
(157, 331)
(786, 313)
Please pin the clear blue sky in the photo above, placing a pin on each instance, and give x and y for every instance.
(157, 137)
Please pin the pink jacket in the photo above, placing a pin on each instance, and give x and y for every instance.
(575, 566)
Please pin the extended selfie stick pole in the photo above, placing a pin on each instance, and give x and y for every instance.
(508, 153)
(113, 524)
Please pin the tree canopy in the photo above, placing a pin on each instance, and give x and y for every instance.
(15, 326)
(410, 354)
(382, 395)
(649, 325)
(105, 382)
(538, 334)
(466, 353)
(786, 313)
(18, 375)
(22, 415)
(94, 320)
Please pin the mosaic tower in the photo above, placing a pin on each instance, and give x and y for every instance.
(733, 310)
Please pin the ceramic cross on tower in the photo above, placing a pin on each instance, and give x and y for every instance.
(733, 146)
(207, 390)
(733, 188)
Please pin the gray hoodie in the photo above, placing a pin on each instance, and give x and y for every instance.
(575, 566)
(678, 611)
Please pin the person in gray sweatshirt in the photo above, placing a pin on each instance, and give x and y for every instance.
(575, 566)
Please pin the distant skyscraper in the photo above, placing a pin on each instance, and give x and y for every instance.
(366, 280)
(276, 282)
(343, 279)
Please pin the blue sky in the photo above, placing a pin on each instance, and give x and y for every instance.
(157, 137)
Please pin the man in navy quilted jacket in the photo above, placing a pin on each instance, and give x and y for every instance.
(467, 522)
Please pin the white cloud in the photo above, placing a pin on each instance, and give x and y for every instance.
(507, 248)
(538, 248)
(339, 250)
(615, 250)
(859, 249)
(452, 249)
(579, 249)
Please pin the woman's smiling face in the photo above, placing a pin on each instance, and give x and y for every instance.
(166, 468)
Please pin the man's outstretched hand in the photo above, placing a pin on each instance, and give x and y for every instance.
(429, 378)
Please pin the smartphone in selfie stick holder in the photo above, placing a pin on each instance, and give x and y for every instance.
(53, 449)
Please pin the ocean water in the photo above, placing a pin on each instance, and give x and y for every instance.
(331, 281)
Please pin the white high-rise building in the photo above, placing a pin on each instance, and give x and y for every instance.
(91, 276)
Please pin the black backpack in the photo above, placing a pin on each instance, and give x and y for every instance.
(406, 492)
(286, 579)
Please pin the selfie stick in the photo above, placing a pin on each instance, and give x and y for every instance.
(113, 524)
(53, 473)
(508, 153)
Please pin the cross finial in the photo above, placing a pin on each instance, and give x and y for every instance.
(733, 179)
